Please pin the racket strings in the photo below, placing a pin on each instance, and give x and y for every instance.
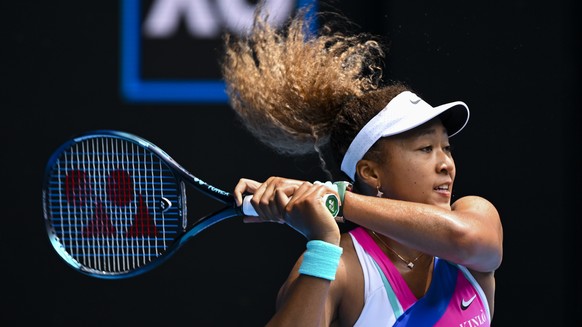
(105, 198)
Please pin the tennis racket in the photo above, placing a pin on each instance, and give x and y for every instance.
(115, 204)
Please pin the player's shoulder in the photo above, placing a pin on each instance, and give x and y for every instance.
(346, 241)
(472, 201)
(349, 257)
(476, 206)
(349, 277)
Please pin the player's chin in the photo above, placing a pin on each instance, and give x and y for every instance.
(441, 200)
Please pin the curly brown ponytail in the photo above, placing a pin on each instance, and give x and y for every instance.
(294, 91)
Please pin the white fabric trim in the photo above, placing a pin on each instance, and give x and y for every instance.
(477, 287)
(377, 310)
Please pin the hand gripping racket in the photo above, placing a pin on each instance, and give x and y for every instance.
(115, 204)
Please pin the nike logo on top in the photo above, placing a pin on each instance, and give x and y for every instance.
(466, 304)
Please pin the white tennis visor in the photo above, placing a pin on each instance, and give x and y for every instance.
(405, 112)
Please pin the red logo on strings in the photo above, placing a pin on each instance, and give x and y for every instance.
(120, 193)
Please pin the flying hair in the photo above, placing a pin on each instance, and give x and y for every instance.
(288, 85)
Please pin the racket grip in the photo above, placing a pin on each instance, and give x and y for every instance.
(247, 207)
(330, 201)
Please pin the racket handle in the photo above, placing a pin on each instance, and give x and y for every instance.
(330, 201)
(247, 207)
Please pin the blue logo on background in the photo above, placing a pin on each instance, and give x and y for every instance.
(137, 87)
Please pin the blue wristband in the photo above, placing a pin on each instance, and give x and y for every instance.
(321, 259)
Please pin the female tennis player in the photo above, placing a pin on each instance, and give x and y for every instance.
(414, 257)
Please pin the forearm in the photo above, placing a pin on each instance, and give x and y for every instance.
(304, 299)
(460, 236)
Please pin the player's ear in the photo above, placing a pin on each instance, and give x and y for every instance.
(368, 175)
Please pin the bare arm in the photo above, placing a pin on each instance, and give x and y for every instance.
(303, 300)
(470, 234)
(307, 301)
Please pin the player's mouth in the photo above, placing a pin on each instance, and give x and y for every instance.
(444, 189)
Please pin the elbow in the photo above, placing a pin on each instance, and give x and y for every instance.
(477, 250)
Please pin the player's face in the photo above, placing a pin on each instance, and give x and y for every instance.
(418, 165)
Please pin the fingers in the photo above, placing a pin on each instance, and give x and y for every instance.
(282, 199)
(307, 213)
(301, 194)
(272, 201)
(296, 203)
(244, 186)
(264, 198)
(311, 195)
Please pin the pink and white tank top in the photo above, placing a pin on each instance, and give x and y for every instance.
(454, 297)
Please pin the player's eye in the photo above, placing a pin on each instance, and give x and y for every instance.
(426, 149)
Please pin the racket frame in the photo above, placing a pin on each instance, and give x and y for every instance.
(183, 177)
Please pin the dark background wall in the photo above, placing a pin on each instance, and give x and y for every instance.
(516, 64)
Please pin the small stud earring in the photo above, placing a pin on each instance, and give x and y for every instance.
(380, 193)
